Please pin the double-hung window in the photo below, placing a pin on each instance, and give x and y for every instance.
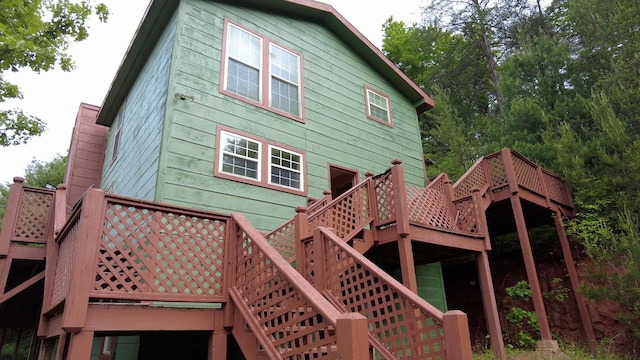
(378, 107)
(252, 160)
(254, 66)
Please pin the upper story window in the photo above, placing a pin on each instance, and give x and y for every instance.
(378, 106)
(254, 66)
(117, 133)
(257, 161)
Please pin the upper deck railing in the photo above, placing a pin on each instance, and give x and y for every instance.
(28, 216)
(509, 169)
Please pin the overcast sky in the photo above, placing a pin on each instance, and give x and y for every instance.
(55, 96)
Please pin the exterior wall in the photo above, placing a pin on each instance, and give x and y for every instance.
(335, 130)
(134, 171)
(86, 153)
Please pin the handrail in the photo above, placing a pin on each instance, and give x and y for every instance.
(292, 317)
(402, 322)
(348, 213)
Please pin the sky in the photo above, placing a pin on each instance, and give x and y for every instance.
(55, 96)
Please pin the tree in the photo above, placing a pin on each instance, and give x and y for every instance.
(37, 174)
(36, 34)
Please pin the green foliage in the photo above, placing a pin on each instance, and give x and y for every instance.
(570, 78)
(37, 34)
(525, 321)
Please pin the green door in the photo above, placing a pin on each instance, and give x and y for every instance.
(431, 285)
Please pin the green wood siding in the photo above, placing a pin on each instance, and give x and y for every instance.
(336, 128)
(134, 172)
(431, 285)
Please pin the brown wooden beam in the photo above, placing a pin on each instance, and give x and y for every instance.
(532, 275)
(490, 304)
(573, 277)
(20, 288)
(145, 318)
(452, 240)
(407, 264)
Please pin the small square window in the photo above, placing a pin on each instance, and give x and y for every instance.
(378, 107)
(240, 156)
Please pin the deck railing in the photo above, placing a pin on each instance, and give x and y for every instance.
(116, 248)
(28, 216)
(508, 168)
(290, 318)
(401, 324)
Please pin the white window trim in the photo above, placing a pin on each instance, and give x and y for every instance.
(388, 121)
(264, 161)
(264, 81)
(222, 153)
(300, 172)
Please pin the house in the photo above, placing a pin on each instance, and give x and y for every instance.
(224, 117)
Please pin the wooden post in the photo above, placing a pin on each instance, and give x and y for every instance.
(60, 209)
(218, 339)
(481, 216)
(400, 198)
(456, 336)
(301, 223)
(490, 304)
(319, 261)
(509, 170)
(80, 345)
(532, 275)
(231, 258)
(573, 277)
(352, 334)
(61, 345)
(59, 219)
(12, 211)
(85, 258)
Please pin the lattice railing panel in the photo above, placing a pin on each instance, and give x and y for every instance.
(283, 239)
(290, 321)
(66, 258)
(34, 215)
(408, 327)
(497, 172)
(557, 189)
(346, 214)
(430, 207)
(474, 178)
(385, 199)
(527, 175)
(308, 260)
(160, 252)
(467, 215)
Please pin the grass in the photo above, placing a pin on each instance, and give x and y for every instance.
(571, 352)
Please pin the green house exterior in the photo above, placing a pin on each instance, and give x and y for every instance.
(169, 104)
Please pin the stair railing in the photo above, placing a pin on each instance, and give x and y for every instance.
(401, 324)
(289, 318)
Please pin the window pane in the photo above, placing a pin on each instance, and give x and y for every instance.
(284, 96)
(284, 65)
(244, 47)
(240, 156)
(378, 106)
(286, 168)
(243, 80)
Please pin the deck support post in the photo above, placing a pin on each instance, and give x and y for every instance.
(84, 268)
(490, 305)
(456, 336)
(301, 223)
(11, 215)
(405, 248)
(573, 277)
(218, 339)
(61, 345)
(532, 275)
(353, 342)
(80, 345)
(407, 264)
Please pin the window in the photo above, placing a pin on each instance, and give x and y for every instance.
(378, 107)
(117, 133)
(247, 57)
(241, 157)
